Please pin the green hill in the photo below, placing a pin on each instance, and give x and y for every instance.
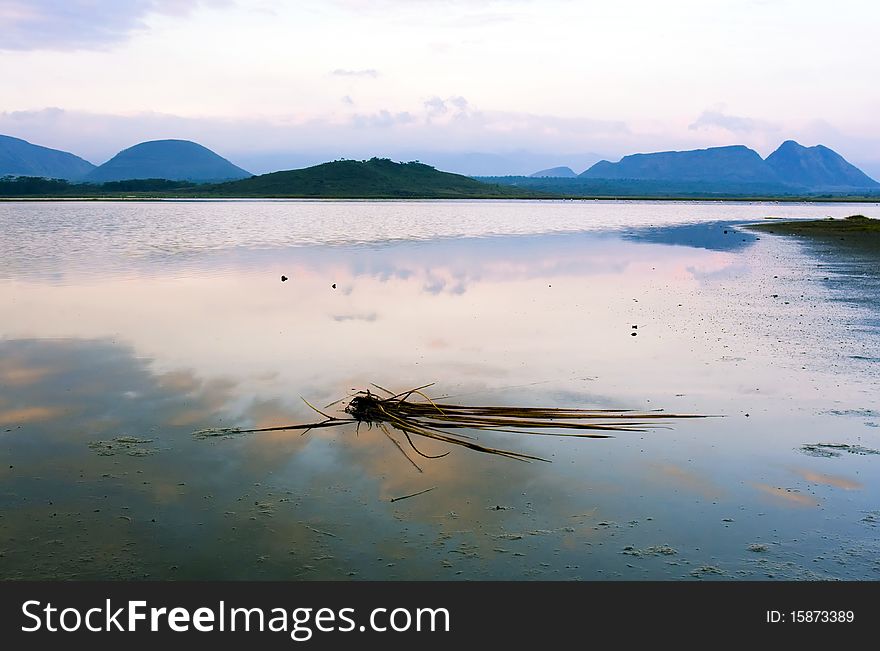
(377, 178)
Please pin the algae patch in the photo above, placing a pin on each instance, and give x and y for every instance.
(654, 550)
(834, 449)
(128, 445)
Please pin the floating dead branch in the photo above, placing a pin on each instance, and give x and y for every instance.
(445, 422)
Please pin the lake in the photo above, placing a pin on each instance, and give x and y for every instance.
(127, 326)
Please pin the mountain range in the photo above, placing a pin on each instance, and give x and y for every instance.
(791, 167)
(175, 160)
(734, 170)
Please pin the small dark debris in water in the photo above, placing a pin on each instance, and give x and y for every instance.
(835, 449)
(864, 413)
(774, 295)
(635, 327)
(654, 550)
(727, 520)
(498, 507)
(758, 548)
(323, 533)
(404, 497)
(509, 536)
(872, 518)
(284, 279)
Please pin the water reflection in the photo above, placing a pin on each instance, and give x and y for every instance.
(715, 235)
(461, 309)
(249, 506)
(133, 361)
(53, 241)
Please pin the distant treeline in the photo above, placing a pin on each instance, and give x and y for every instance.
(381, 178)
(35, 186)
(644, 188)
(376, 178)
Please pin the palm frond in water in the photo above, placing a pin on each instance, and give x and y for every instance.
(444, 422)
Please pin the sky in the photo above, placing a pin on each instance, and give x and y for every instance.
(474, 86)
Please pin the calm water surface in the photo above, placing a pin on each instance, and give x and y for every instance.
(124, 327)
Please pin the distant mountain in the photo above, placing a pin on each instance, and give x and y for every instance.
(21, 158)
(374, 178)
(517, 162)
(791, 168)
(175, 160)
(816, 167)
(733, 164)
(556, 173)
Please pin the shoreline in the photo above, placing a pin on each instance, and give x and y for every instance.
(852, 226)
(670, 199)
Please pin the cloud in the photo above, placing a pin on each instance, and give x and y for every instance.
(82, 24)
(716, 118)
(435, 106)
(269, 144)
(382, 119)
(446, 131)
(370, 317)
(456, 106)
(367, 72)
(459, 102)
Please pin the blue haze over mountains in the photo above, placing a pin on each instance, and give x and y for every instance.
(175, 160)
(21, 158)
(791, 168)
